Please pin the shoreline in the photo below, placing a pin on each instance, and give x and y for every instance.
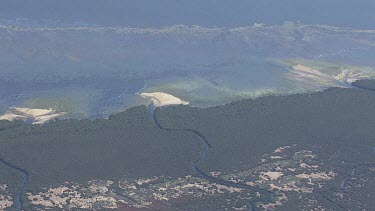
(358, 84)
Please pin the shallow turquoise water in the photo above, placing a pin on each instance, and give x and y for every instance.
(93, 71)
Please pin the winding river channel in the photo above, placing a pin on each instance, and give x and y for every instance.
(151, 108)
(201, 173)
(25, 176)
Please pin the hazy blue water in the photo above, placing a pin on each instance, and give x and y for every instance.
(95, 70)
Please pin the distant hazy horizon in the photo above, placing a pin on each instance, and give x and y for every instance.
(145, 13)
(90, 58)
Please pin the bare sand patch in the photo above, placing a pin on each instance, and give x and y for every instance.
(38, 116)
(317, 175)
(271, 175)
(33, 112)
(76, 196)
(163, 99)
(11, 117)
(6, 199)
(307, 75)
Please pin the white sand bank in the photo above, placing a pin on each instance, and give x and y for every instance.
(163, 99)
(307, 75)
(38, 116)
